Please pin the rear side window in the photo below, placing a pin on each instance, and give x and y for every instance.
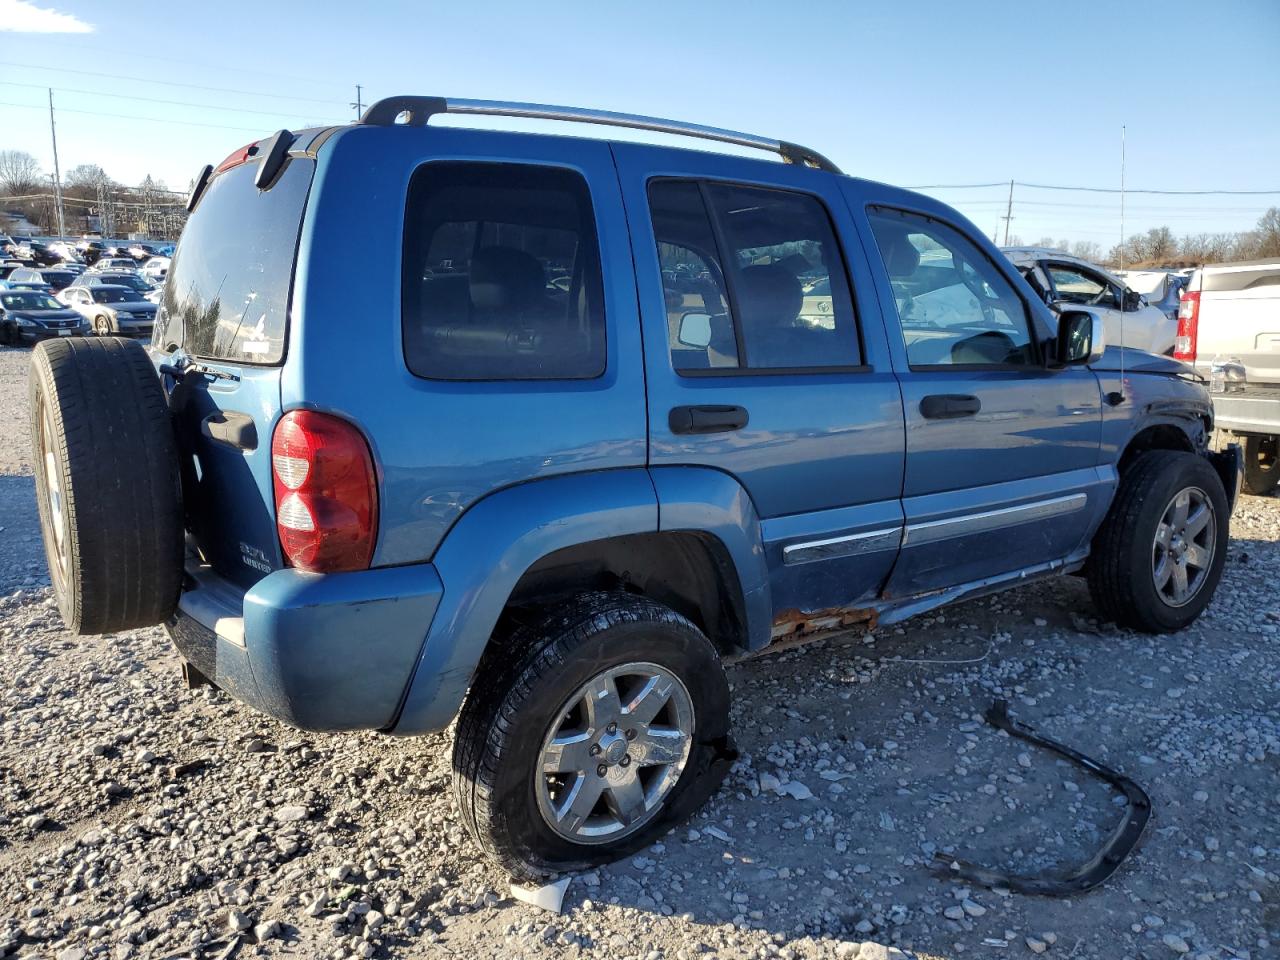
(502, 274)
(752, 277)
(227, 295)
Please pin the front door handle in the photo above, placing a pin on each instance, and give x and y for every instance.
(948, 406)
(708, 418)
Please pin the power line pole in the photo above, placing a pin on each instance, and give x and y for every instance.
(359, 104)
(57, 176)
(1008, 214)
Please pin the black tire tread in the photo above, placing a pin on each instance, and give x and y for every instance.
(122, 491)
(1110, 584)
(1258, 480)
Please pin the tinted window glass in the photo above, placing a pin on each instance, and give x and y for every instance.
(502, 274)
(791, 293)
(955, 307)
(692, 280)
(786, 281)
(228, 292)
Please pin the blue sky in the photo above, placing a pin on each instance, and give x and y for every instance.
(909, 93)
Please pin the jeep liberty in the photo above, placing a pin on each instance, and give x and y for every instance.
(602, 415)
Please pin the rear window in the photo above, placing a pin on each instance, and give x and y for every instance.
(227, 296)
(501, 274)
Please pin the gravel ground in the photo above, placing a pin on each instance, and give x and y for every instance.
(139, 819)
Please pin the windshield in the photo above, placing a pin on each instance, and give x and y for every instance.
(108, 295)
(227, 294)
(29, 301)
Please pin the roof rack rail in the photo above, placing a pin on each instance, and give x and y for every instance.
(418, 110)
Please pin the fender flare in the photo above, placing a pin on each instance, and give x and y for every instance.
(498, 539)
(703, 500)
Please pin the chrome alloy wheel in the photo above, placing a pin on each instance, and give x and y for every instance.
(1184, 546)
(614, 752)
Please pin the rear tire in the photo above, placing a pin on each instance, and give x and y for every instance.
(521, 712)
(1261, 464)
(1153, 568)
(107, 483)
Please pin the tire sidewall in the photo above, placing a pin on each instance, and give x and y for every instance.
(1192, 472)
(43, 397)
(676, 646)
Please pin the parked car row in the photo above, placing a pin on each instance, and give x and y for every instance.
(49, 251)
(108, 299)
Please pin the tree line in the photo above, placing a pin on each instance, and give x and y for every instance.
(93, 201)
(1160, 247)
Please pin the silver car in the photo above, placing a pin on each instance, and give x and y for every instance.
(112, 310)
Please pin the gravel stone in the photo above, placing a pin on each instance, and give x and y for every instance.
(140, 820)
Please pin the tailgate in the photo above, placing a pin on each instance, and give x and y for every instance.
(1240, 319)
(223, 326)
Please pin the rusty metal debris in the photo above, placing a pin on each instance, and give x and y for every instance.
(789, 623)
(1099, 867)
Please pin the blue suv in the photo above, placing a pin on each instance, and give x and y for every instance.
(596, 416)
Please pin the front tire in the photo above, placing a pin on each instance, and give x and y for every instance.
(102, 326)
(599, 724)
(1158, 557)
(1261, 464)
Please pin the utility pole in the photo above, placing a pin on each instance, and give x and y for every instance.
(1008, 214)
(359, 104)
(57, 176)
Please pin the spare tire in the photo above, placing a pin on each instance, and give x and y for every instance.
(107, 483)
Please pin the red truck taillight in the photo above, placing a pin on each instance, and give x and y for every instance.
(326, 492)
(1184, 344)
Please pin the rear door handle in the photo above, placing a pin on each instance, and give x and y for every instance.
(949, 406)
(708, 418)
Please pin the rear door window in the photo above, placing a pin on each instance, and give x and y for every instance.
(227, 296)
(502, 274)
(753, 278)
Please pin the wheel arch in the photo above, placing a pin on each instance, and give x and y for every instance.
(689, 571)
(533, 540)
(1164, 435)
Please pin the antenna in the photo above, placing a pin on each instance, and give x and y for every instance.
(1122, 347)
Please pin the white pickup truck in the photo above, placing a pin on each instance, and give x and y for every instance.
(1229, 328)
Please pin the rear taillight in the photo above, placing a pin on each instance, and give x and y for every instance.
(1184, 344)
(326, 492)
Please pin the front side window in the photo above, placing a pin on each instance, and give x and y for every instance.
(1082, 287)
(752, 278)
(954, 306)
(502, 274)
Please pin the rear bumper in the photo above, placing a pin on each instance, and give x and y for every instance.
(1246, 413)
(318, 651)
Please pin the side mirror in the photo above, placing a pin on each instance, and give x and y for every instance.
(695, 330)
(1132, 300)
(1081, 337)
